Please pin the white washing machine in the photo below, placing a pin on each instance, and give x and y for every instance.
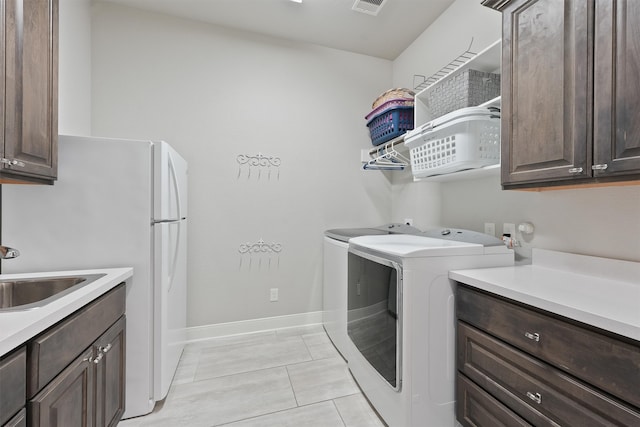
(334, 301)
(401, 323)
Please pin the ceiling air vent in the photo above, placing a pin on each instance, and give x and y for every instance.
(370, 7)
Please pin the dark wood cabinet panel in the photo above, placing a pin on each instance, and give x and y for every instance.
(30, 116)
(545, 74)
(73, 374)
(546, 369)
(13, 390)
(608, 363)
(67, 400)
(476, 408)
(570, 92)
(617, 87)
(20, 420)
(536, 391)
(110, 375)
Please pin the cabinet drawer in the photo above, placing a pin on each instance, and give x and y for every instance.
(539, 393)
(606, 362)
(52, 351)
(13, 379)
(476, 408)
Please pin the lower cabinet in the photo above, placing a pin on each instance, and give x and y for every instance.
(72, 374)
(519, 366)
(13, 385)
(90, 391)
(110, 376)
(68, 399)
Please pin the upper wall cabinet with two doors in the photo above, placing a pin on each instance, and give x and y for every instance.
(570, 91)
(29, 91)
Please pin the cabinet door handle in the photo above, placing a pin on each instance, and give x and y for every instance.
(98, 358)
(105, 349)
(575, 170)
(13, 162)
(536, 397)
(600, 167)
(534, 337)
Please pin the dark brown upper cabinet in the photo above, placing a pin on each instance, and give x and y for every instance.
(570, 92)
(29, 72)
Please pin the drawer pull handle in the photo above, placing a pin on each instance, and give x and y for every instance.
(536, 397)
(575, 170)
(534, 337)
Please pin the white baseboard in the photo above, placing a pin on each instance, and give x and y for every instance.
(197, 333)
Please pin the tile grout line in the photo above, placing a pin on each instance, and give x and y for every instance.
(333, 401)
(292, 389)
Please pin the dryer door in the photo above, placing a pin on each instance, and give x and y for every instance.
(374, 312)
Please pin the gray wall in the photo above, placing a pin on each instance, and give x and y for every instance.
(215, 94)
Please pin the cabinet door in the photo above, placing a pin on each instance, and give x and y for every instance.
(68, 400)
(110, 375)
(545, 91)
(20, 420)
(617, 88)
(31, 98)
(13, 380)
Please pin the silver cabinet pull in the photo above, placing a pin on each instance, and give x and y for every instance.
(98, 358)
(534, 337)
(600, 167)
(536, 397)
(575, 170)
(13, 162)
(105, 349)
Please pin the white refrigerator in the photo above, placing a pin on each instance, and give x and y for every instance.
(117, 203)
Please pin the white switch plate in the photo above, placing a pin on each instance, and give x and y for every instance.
(273, 294)
(408, 221)
(510, 229)
(490, 228)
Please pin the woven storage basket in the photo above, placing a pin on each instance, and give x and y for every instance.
(398, 93)
(467, 89)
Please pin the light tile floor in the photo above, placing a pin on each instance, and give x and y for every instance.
(288, 377)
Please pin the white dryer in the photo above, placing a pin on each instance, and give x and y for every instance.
(401, 323)
(334, 292)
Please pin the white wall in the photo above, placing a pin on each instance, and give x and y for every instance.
(74, 67)
(598, 221)
(214, 94)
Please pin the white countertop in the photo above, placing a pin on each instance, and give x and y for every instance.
(18, 326)
(601, 292)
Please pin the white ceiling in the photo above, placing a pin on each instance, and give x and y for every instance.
(330, 23)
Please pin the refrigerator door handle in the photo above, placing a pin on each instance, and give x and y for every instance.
(176, 187)
(166, 221)
(174, 262)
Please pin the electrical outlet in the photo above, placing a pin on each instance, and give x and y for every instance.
(510, 229)
(273, 295)
(408, 221)
(490, 228)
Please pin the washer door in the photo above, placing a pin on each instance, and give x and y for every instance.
(374, 313)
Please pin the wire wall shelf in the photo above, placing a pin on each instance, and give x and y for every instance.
(421, 82)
